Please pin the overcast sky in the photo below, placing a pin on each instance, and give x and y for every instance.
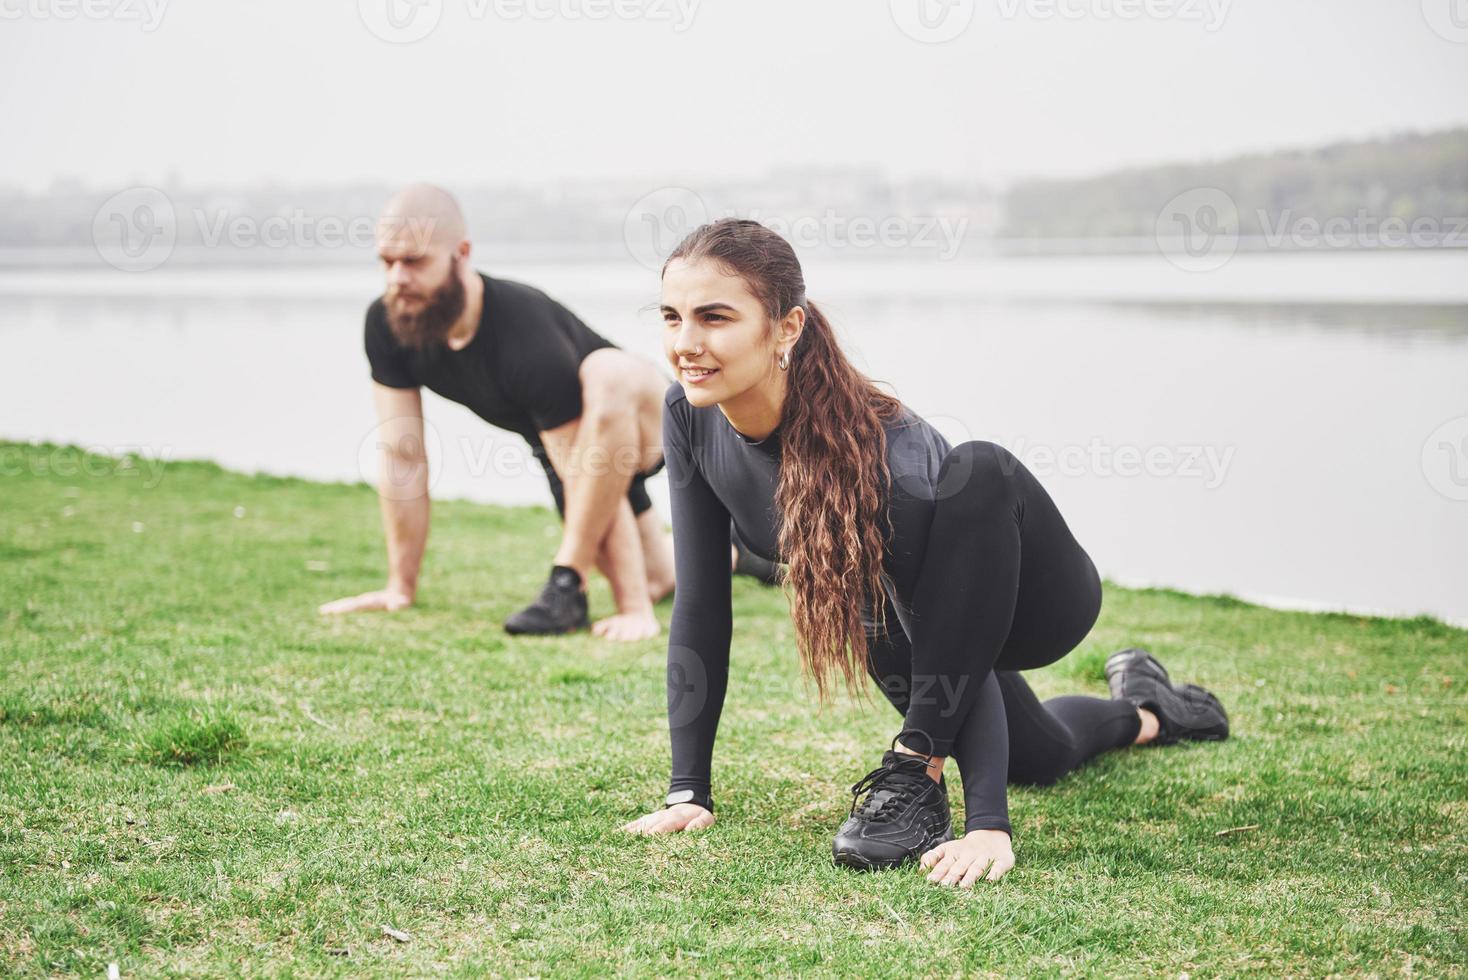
(306, 90)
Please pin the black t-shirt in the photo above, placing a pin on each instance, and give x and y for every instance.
(520, 371)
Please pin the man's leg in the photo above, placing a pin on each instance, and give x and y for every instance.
(657, 554)
(596, 461)
(618, 436)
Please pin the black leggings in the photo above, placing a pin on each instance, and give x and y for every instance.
(1004, 587)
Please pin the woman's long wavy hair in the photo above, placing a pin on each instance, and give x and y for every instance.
(834, 481)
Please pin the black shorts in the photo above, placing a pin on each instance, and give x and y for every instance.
(636, 492)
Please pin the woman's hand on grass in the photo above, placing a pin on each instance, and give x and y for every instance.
(670, 820)
(985, 854)
(385, 600)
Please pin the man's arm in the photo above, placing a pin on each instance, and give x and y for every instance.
(402, 490)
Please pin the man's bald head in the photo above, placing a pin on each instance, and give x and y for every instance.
(420, 218)
(424, 249)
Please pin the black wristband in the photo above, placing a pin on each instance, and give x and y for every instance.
(689, 796)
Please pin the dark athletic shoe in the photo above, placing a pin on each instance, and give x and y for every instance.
(560, 608)
(1185, 711)
(904, 814)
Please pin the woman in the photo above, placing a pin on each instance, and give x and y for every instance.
(940, 571)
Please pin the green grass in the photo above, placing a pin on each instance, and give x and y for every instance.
(199, 775)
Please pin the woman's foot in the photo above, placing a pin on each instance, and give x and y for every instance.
(904, 814)
(1185, 711)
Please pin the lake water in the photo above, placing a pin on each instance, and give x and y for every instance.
(1289, 428)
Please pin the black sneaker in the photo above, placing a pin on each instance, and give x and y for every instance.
(1186, 711)
(561, 607)
(904, 814)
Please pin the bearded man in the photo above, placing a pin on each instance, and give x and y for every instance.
(591, 412)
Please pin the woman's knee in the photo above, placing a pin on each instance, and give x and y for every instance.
(979, 471)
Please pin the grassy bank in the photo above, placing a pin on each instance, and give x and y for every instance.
(199, 775)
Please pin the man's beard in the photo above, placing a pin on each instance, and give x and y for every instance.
(431, 324)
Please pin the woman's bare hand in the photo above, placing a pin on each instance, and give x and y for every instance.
(670, 820)
(985, 854)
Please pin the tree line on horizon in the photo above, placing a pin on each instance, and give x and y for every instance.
(1407, 177)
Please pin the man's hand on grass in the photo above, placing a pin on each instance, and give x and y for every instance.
(680, 816)
(978, 854)
(385, 600)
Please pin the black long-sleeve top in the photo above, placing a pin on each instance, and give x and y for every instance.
(716, 473)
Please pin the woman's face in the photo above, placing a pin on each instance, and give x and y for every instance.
(716, 333)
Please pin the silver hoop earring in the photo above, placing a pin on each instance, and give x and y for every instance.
(785, 361)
